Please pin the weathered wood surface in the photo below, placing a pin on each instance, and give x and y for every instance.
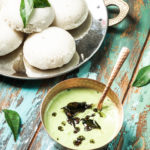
(136, 129)
(26, 96)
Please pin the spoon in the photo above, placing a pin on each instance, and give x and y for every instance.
(121, 59)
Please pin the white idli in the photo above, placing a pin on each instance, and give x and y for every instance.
(37, 73)
(51, 48)
(1, 4)
(10, 40)
(39, 20)
(69, 14)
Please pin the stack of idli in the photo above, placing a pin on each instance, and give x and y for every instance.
(47, 43)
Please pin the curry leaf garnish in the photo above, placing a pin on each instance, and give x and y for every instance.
(143, 77)
(102, 114)
(90, 124)
(13, 120)
(27, 7)
(41, 3)
(75, 107)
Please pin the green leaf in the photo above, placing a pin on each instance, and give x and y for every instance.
(41, 3)
(102, 114)
(143, 77)
(26, 8)
(105, 107)
(13, 120)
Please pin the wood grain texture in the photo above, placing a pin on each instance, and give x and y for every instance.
(136, 128)
(26, 96)
(120, 60)
(132, 33)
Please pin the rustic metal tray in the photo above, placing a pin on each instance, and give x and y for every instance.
(89, 37)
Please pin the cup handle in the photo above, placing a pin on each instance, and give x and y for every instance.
(123, 7)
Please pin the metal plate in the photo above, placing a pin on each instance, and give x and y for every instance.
(89, 37)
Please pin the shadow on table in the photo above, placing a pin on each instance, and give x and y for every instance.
(129, 25)
(29, 84)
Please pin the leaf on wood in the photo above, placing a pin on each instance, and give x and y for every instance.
(13, 120)
(143, 77)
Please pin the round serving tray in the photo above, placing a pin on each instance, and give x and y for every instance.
(89, 37)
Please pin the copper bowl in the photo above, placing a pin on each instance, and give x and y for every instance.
(84, 83)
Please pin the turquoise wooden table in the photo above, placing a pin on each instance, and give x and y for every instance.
(25, 97)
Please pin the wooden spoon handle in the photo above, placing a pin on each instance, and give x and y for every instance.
(122, 57)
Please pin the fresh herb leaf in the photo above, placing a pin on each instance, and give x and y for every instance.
(92, 141)
(104, 107)
(76, 107)
(102, 114)
(143, 77)
(26, 8)
(41, 3)
(13, 120)
(90, 124)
